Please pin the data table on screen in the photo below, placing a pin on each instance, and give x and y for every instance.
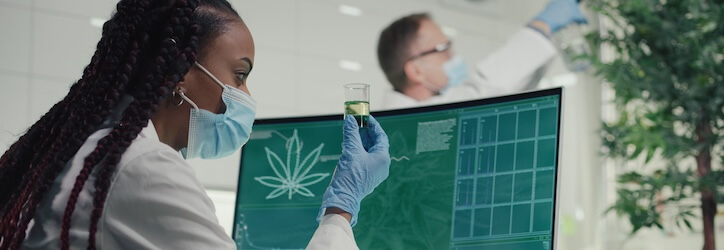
(505, 176)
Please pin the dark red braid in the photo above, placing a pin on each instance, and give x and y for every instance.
(49, 127)
(39, 166)
(99, 107)
(146, 49)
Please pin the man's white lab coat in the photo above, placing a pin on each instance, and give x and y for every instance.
(154, 202)
(508, 70)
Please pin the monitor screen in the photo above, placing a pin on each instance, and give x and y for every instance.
(472, 175)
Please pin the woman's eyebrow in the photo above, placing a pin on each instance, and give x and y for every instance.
(247, 60)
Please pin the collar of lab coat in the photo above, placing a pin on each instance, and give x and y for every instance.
(149, 132)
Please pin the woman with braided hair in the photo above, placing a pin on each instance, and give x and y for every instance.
(104, 167)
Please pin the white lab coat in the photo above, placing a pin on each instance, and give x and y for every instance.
(154, 202)
(509, 69)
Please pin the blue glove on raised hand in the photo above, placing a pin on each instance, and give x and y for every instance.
(364, 164)
(559, 13)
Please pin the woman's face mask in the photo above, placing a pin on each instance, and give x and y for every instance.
(218, 135)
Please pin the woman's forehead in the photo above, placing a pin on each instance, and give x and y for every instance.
(235, 41)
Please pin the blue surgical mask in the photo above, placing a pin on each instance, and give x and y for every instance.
(457, 72)
(217, 135)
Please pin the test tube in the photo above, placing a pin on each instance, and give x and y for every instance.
(357, 102)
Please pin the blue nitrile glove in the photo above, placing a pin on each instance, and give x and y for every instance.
(559, 13)
(364, 164)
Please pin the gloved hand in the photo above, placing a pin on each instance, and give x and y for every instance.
(364, 164)
(559, 13)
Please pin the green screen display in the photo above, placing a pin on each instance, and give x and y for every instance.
(473, 175)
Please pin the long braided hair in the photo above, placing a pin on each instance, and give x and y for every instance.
(145, 50)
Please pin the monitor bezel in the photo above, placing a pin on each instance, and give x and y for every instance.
(432, 108)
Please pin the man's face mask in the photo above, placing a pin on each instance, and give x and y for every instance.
(457, 72)
(219, 135)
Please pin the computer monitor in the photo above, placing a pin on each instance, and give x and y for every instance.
(480, 174)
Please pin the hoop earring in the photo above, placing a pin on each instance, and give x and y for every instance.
(173, 99)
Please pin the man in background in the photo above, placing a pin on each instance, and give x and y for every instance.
(418, 61)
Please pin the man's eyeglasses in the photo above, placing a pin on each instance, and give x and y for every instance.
(438, 48)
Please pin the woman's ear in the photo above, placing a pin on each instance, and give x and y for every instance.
(183, 85)
(175, 97)
(180, 85)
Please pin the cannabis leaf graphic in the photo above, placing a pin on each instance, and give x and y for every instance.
(292, 177)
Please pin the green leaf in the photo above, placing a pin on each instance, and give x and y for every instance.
(708, 27)
(649, 155)
(630, 177)
(658, 225)
(688, 224)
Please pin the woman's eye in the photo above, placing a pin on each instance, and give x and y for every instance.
(241, 76)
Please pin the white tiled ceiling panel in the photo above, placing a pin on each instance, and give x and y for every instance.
(15, 27)
(273, 23)
(62, 45)
(77, 8)
(17, 3)
(44, 94)
(324, 31)
(13, 108)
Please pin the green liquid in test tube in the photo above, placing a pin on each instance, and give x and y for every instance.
(357, 102)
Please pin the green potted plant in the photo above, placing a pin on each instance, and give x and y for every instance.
(664, 63)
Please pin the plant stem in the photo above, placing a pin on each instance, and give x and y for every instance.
(703, 162)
